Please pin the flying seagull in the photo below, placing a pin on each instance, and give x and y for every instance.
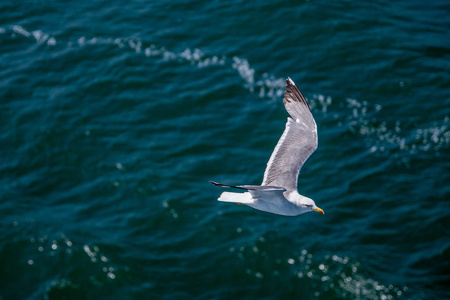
(278, 192)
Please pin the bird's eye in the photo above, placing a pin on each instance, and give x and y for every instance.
(306, 205)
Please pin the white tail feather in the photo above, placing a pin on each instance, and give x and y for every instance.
(244, 198)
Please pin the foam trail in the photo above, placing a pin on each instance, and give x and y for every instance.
(360, 116)
(246, 73)
(40, 36)
(274, 86)
(20, 30)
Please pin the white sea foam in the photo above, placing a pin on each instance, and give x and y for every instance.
(360, 116)
(245, 71)
(343, 271)
(319, 102)
(40, 36)
(20, 30)
(383, 136)
(136, 45)
(119, 43)
(271, 87)
(192, 56)
(51, 41)
(340, 274)
(151, 51)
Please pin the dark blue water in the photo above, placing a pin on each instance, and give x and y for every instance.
(115, 114)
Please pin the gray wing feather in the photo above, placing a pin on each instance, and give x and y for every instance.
(261, 188)
(249, 187)
(298, 142)
(256, 190)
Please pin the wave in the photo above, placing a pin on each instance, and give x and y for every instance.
(357, 117)
(331, 275)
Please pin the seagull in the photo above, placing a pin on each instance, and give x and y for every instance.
(278, 192)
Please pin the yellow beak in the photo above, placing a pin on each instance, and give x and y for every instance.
(318, 210)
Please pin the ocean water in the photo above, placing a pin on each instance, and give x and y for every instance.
(115, 114)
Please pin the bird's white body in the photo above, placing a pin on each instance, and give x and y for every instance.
(293, 205)
(278, 192)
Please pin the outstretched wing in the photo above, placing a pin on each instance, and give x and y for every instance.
(255, 190)
(298, 142)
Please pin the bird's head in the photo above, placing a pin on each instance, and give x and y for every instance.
(310, 205)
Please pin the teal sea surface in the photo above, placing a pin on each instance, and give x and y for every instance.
(116, 114)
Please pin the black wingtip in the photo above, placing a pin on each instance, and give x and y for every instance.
(289, 83)
(225, 185)
(293, 89)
